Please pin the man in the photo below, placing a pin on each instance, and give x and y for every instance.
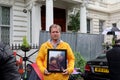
(55, 43)
(8, 68)
(113, 57)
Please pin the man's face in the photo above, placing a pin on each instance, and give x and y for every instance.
(54, 62)
(55, 33)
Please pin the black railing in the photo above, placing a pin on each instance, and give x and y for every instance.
(18, 46)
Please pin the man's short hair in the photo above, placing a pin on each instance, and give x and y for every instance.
(55, 26)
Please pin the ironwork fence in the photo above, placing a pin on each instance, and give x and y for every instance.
(18, 46)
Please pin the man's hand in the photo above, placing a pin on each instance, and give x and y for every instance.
(65, 72)
(46, 72)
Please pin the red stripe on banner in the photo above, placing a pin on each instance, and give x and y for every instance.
(34, 65)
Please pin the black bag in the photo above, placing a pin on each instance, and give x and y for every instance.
(8, 68)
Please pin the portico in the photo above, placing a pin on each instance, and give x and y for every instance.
(95, 15)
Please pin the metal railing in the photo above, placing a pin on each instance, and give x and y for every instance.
(18, 46)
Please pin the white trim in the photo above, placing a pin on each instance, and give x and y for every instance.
(83, 20)
(36, 23)
(49, 14)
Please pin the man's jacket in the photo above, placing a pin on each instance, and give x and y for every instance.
(113, 57)
(8, 68)
(42, 60)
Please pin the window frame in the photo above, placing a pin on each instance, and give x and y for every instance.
(101, 25)
(90, 25)
(5, 25)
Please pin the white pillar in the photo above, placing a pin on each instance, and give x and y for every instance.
(49, 14)
(36, 22)
(83, 19)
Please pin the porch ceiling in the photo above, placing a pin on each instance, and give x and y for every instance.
(64, 3)
(73, 1)
(70, 1)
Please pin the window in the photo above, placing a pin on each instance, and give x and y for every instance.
(88, 25)
(5, 24)
(101, 25)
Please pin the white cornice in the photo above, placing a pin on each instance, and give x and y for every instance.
(97, 8)
(111, 8)
(32, 3)
(7, 2)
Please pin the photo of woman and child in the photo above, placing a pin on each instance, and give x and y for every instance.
(57, 63)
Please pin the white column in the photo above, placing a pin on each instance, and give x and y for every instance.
(49, 14)
(83, 19)
(36, 22)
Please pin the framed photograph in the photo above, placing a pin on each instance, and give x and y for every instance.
(56, 60)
